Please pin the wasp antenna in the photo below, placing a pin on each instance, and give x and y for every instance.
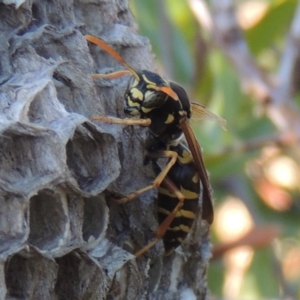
(165, 89)
(112, 52)
(113, 75)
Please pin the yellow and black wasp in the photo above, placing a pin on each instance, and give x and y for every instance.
(165, 108)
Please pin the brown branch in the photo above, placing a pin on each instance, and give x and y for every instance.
(257, 237)
(280, 141)
(289, 58)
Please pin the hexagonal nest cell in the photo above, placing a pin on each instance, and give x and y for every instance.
(29, 157)
(29, 275)
(95, 218)
(79, 277)
(45, 107)
(14, 222)
(49, 220)
(88, 161)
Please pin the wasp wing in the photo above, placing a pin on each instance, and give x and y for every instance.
(207, 206)
(202, 113)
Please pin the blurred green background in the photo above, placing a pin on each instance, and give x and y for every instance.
(255, 180)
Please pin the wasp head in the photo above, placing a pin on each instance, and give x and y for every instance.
(146, 92)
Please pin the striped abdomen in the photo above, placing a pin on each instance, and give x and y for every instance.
(184, 175)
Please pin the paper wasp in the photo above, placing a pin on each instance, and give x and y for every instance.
(165, 108)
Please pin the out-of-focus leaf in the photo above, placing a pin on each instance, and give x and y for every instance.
(202, 87)
(220, 167)
(183, 70)
(226, 89)
(180, 13)
(255, 128)
(146, 14)
(215, 277)
(262, 278)
(179, 36)
(272, 25)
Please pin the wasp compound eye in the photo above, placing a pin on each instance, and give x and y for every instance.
(154, 99)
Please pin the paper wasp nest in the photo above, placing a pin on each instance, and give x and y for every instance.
(58, 168)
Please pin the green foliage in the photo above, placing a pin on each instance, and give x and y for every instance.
(210, 78)
(264, 284)
(272, 27)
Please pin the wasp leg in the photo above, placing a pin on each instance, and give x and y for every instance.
(133, 195)
(112, 75)
(158, 180)
(126, 121)
(163, 154)
(163, 227)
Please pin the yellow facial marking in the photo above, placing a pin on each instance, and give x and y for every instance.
(137, 94)
(170, 119)
(131, 103)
